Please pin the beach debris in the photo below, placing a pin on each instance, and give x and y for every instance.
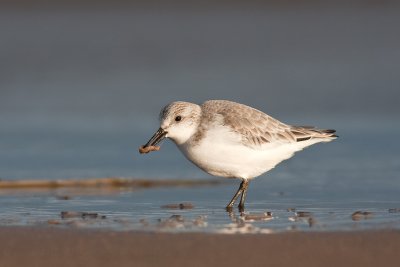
(361, 215)
(79, 214)
(291, 209)
(180, 206)
(394, 210)
(257, 217)
(304, 216)
(147, 149)
(65, 197)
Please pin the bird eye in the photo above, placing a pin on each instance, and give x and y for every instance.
(178, 118)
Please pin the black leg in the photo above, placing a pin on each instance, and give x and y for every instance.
(237, 194)
(242, 188)
(244, 192)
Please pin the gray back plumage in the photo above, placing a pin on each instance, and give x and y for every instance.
(256, 127)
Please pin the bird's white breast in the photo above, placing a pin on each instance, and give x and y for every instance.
(220, 152)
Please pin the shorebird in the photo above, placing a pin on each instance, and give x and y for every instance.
(232, 140)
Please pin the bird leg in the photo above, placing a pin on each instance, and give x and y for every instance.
(244, 193)
(241, 191)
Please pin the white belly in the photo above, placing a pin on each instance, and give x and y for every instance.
(222, 154)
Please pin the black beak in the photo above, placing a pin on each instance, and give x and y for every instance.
(156, 138)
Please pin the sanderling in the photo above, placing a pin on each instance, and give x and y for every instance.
(232, 140)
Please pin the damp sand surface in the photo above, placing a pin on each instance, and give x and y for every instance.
(29, 246)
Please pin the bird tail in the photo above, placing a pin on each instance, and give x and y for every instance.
(304, 133)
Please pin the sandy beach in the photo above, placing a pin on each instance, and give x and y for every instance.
(25, 246)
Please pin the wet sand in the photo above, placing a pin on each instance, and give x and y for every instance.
(110, 182)
(25, 246)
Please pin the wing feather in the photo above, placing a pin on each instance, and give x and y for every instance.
(255, 127)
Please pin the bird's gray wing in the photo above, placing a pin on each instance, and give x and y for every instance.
(255, 127)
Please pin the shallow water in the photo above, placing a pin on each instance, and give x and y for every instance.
(329, 181)
(143, 211)
(81, 90)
